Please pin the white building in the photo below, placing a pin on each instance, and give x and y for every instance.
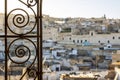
(55, 67)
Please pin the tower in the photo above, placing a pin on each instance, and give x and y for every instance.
(104, 16)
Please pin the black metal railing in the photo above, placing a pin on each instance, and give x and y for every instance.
(23, 50)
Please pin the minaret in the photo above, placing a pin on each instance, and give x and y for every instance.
(104, 16)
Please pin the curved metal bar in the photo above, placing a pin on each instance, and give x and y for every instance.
(30, 3)
(19, 46)
(19, 21)
(20, 52)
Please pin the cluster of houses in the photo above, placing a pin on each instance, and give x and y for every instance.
(82, 31)
(58, 32)
(59, 58)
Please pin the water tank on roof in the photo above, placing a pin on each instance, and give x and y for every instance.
(74, 51)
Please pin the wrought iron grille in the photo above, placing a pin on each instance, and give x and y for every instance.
(23, 49)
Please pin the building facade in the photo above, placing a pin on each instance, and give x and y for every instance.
(50, 33)
(93, 39)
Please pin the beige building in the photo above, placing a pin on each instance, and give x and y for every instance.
(93, 39)
(50, 33)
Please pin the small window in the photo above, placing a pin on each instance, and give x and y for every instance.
(81, 41)
(69, 38)
(85, 40)
(118, 37)
(77, 41)
(73, 41)
(98, 41)
(108, 41)
(92, 34)
(113, 37)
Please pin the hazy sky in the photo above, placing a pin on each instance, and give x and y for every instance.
(82, 8)
(76, 8)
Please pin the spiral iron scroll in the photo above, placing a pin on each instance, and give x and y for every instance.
(22, 49)
(31, 2)
(18, 23)
(20, 52)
